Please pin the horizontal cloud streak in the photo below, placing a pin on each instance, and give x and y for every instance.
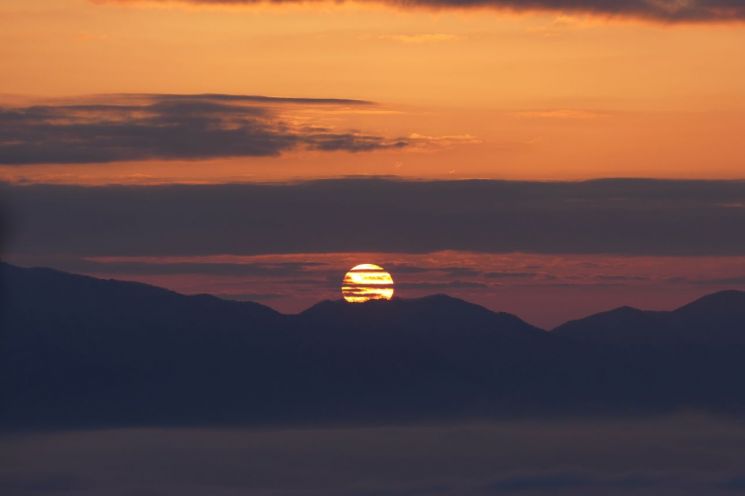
(660, 10)
(628, 217)
(640, 456)
(140, 127)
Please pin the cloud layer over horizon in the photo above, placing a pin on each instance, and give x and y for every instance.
(112, 128)
(658, 10)
(644, 456)
(623, 217)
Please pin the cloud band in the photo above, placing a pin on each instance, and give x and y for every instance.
(627, 217)
(658, 10)
(113, 128)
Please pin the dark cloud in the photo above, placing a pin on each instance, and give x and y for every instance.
(260, 297)
(628, 217)
(141, 127)
(451, 271)
(278, 269)
(458, 271)
(734, 483)
(660, 10)
(589, 457)
(547, 482)
(443, 285)
(510, 275)
(550, 483)
(735, 280)
(40, 483)
(620, 278)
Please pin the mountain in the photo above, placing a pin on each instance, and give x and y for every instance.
(714, 320)
(77, 350)
(60, 294)
(621, 326)
(80, 352)
(690, 358)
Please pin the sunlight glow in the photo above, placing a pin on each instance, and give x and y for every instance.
(367, 282)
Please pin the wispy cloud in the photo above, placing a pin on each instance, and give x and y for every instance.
(112, 128)
(422, 142)
(659, 10)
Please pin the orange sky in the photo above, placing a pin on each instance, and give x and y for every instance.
(482, 93)
(476, 93)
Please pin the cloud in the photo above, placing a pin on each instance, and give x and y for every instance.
(259, 297)
(734, 483)
(424, 142)
(40, 483)
(655, 456)
(510, 275)
(658, 10)
(441, 285)
(276, 269)
(571, 481)
(625, 217)
(114, 128)
(735, 280)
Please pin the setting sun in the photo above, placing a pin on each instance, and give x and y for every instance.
(367, 282)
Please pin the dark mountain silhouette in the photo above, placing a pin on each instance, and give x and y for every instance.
(79, 350)
(83, 352)
(715, 320)
(692, 357)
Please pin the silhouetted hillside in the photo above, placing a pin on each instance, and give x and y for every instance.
(715, 320)
(79, 350)
(85, 352)
(692, 357)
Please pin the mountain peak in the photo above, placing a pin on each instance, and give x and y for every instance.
(426, 317)
(436, 303)
(614, 326)
(114, 353)
(729, 301)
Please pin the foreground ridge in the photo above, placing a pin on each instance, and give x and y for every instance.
(80, 352)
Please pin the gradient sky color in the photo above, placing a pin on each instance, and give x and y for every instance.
(483, 92)
(102, 94)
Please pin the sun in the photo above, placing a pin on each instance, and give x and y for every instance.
(367, 282)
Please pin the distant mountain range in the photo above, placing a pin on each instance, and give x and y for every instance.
(80, 352)
(714, 320)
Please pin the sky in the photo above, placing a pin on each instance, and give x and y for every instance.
(546, 158)
(259, 150)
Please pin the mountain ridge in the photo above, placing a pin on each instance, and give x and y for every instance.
(731, 295)
(716, 317)
(78, 352)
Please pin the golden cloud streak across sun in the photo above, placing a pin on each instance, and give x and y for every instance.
(367, 282)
